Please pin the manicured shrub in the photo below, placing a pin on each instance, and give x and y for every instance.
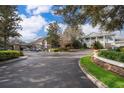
(77, 44)
(119, 49)
(122, 49)
(84, 45)
(113, 55)
(64, 49)
(58, 49)
(21, 53)
(54, 49)
(97, 45)
(9, 54)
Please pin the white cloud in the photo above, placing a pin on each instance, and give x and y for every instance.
(38, 9)
(119, 34)
(30, 7)
(31, 26)
(62, 26)
(34, 23)
(87, 29)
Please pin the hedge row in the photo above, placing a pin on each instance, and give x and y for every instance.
(113, 55)
(58, 49)
(9, 54)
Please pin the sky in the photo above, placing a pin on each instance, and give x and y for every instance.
(36, 19)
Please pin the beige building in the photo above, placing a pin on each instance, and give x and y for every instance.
(17, 44)
(40, 44)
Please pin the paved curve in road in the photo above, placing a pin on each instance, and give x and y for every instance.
(45, 70)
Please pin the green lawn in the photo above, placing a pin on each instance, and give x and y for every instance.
(112, 80)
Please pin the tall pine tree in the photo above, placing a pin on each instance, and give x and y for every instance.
(9, 23)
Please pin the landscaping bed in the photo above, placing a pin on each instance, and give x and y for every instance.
(66, 50)
(112, 80)
(111, 65)
(59, 49)
(113, 55)
(9, 54)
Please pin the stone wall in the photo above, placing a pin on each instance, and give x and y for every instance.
(110, 67)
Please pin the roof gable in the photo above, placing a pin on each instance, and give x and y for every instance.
(94, 34)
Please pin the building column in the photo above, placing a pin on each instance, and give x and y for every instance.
(104, 40)
(114, 42)
(114, 39)
(96, 39)
(90, 42)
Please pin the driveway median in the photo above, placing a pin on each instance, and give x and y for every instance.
(99, 76)
(98, 83)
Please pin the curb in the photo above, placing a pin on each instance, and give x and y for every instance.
(97, 82)
(14, 60)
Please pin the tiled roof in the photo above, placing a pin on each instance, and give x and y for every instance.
(38, 41)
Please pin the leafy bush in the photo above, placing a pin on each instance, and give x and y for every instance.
(21, 53)
(58, 49)
(64, 49)
(122, 49)
(119, 49)
(68, 46)
(97, 45)
(9, 54)
(84, 45)
(113, 55)
(55, 49)
(77, 44)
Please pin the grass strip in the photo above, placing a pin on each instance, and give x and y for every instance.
(112, 80)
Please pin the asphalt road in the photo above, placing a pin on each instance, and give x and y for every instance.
(45, 70)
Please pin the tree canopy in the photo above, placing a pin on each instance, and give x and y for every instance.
(108, 17)
(53, 35)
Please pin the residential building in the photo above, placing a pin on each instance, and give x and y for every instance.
(119, 42)
(108, 40)
(39, 44)
(17, 44)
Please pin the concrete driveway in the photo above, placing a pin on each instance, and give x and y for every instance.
(45, 70)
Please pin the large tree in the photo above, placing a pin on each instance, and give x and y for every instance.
(72, 17)
(53, 36)
(70, 35)
(108, 17)
(9, 23)
(70, 13)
